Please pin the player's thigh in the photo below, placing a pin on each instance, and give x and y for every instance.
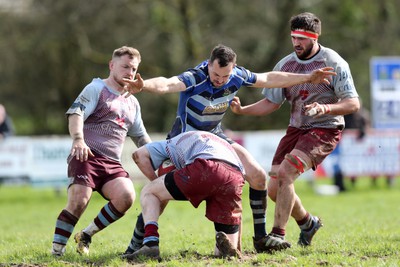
(157, 188)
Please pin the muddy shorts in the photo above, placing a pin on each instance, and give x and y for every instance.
(218, 183)
(317, 143)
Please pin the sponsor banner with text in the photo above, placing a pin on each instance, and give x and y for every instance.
(44, 159)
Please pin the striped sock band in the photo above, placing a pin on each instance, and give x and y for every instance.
(151, 236)
(305, 223)
(65, 225)
(137, 236)
(107, 215)
(258, 204)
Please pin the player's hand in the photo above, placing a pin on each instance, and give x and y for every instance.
(316, 110)
(236, 106)
(80, 150)
(323, 75)
(133, 86)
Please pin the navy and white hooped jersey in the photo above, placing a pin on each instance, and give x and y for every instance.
(184, 148)
(341, 87)
(108, 118)
(202, 106)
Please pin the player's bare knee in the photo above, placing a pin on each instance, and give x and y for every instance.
(146, 191)
(135, 157)
(256, 184)
(257, 178)
(76, 208)
(129, 198)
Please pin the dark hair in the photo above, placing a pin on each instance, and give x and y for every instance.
(306, 21)
(126, 50)
(223, 54)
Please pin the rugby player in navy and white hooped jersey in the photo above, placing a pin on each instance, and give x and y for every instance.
(206, 92)
(99, 121)
(316, 121)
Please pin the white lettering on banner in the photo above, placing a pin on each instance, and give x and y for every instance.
(50, 153)
(49, 158)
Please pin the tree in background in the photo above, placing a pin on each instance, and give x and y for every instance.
(51, 49)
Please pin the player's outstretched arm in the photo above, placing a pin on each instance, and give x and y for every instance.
(260, 108)
(279, 79)
(158, 85)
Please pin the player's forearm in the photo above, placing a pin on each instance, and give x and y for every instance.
(345, 106)
(156, 85)
(162, 85)
(260, 108)
(75, 126)
(277, 79)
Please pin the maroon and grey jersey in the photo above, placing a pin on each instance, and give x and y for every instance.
(184, 148)
(341, 87)
(108, 118)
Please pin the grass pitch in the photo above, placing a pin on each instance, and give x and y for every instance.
(361, 228)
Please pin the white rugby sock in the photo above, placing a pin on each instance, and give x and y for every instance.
(91, 229)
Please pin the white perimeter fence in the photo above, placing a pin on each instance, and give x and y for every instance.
(42, 160)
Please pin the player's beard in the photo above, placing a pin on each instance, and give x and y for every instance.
(306, 53)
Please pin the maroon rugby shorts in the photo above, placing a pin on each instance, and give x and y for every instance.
(317, 143)
(94, 172)
(217, 182)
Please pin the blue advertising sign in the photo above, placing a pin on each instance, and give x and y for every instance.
(385, 92)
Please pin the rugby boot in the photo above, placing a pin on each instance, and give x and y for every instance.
(83, 241)
(270, 243)
(306, 236)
